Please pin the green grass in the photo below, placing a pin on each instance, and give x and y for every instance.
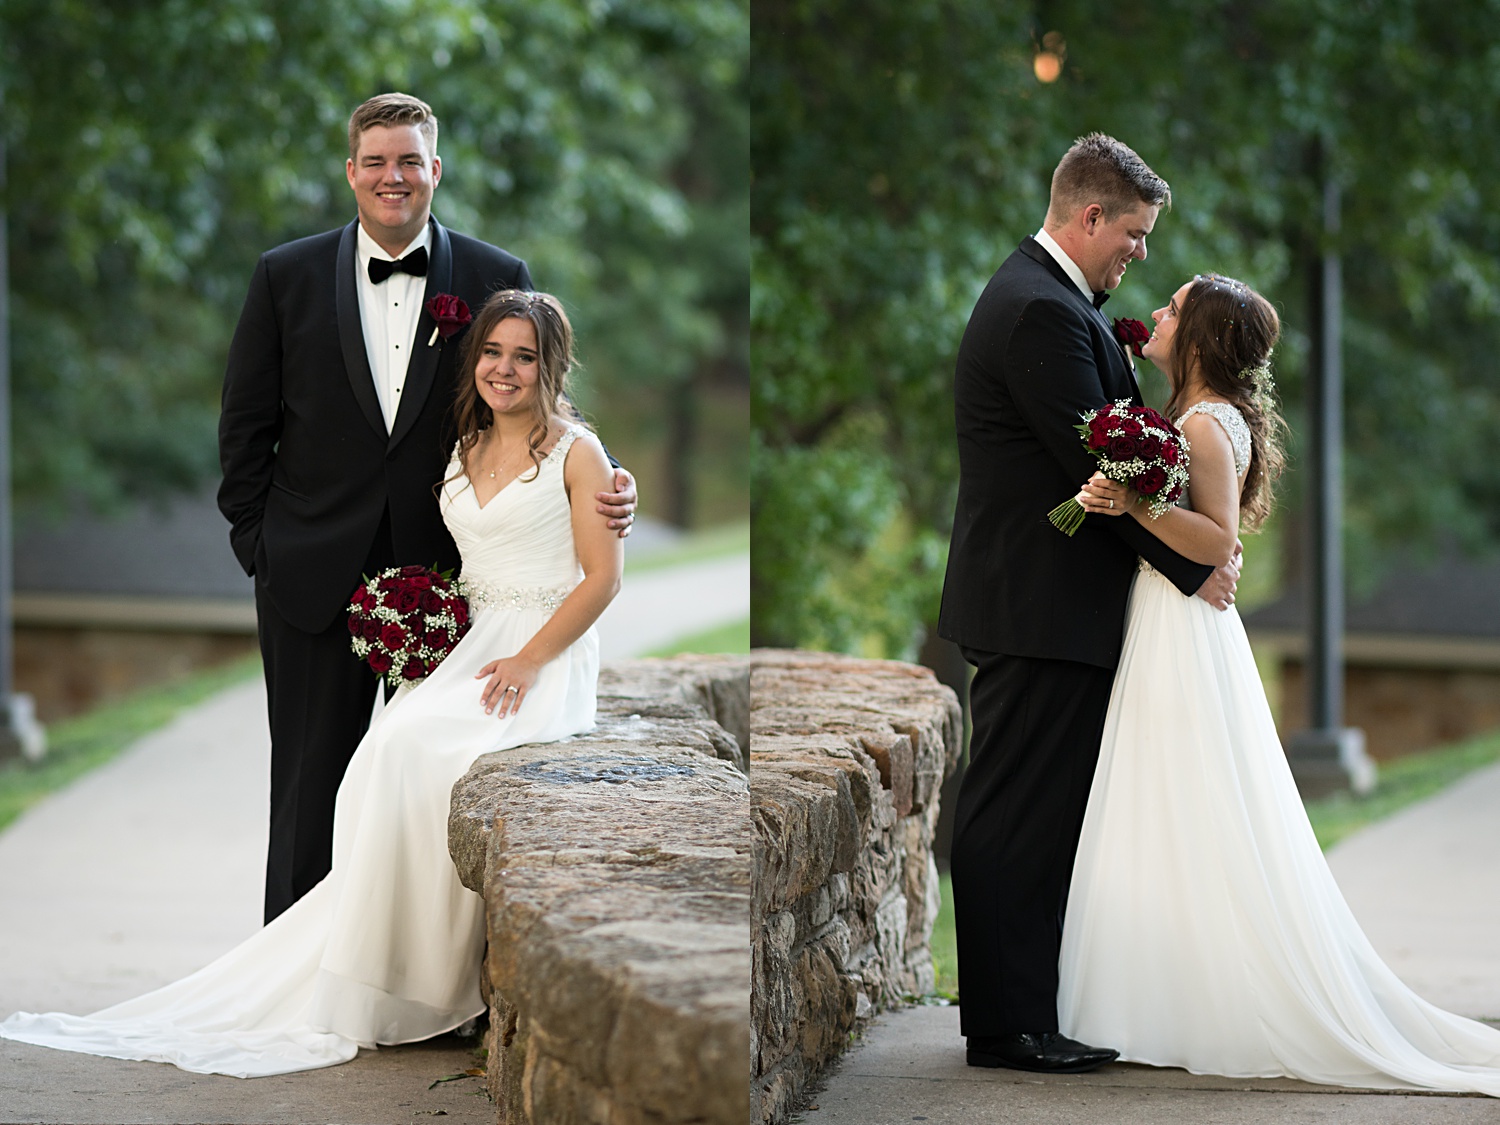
(76, 746)
(734, 637)
(1402, 783)
(695, 546)
(945, 943)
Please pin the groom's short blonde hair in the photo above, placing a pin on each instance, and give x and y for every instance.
(1099, 169)
(390, 110)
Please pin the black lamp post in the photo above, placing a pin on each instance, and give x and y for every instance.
(19, 732)
(1328, 756)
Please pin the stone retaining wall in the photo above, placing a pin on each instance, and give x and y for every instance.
(847, 759)
(615, 869)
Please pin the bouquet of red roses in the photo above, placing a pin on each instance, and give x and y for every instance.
(405, 620)
(1135, 446)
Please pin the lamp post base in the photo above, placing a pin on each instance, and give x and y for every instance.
(1330, 761)
(21, 736)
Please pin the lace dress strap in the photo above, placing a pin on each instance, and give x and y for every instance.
(1229, 417)
(564, 443)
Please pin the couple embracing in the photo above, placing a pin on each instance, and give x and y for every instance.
(371, 419)
(1132, 866)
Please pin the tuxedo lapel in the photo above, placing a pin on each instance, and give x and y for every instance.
(352, 334)
(421, 368)
(1116, 373)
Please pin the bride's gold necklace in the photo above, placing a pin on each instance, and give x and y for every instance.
(503, 463)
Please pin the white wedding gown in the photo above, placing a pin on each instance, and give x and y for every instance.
(1204, 929)
(387, 948)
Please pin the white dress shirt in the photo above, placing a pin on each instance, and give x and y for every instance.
(1069, 266)
(389, 312)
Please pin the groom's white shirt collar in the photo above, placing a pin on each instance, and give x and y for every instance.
(1070, 267)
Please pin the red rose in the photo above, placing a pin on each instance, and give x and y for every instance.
(1122, 448)
(1149, 483)
(1098, 439)
(354, 625)
(451, 314)
(1131, 426)
(1173, 494)
(1131, 333)
(1169, 452)
(413, 669)
(407, 599)
(379, 661)
(1150, 447)
(368, 605)
(432, 601)
(1153, 418)
(412, 571)
(460, 610)
(393, 637)
(421, 581)
(359, 594)
(437, 639)
(369, 629)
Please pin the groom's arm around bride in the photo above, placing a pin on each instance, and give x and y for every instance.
(334, 435)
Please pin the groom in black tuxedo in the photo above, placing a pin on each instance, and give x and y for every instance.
(334, 433)
(1041, 616)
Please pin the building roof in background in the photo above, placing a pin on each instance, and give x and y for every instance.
(1453, 597)
(177, 550)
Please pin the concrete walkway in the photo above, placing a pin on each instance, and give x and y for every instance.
(151, 866)
(1424, 883)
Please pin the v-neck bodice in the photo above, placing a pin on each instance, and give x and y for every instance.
(521, 539)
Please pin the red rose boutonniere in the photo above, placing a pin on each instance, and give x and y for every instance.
(451, 314)
(1131, 334)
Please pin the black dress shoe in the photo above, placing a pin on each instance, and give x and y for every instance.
(1047, 1052)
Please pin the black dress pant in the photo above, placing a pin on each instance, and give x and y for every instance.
(1036, 731)
(320, 696)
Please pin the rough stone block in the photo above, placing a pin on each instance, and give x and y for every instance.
(615, 869)
(847, 760)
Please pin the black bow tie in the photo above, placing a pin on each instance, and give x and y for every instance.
(1099, 298)
(414, 263)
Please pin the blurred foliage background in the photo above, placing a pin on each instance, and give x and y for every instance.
(901, 151)
(154, 150)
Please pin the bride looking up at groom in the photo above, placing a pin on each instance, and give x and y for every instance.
(1202, 928)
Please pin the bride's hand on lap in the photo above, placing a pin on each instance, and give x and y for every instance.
(509, 681)
(619, 505)
(1105, 497)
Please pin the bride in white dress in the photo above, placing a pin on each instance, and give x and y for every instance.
(386, 949)
(1204, 929)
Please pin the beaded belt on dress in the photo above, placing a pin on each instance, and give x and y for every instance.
(491, 596)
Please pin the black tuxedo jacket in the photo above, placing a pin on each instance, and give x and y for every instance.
(1035, 356)
(309, 468)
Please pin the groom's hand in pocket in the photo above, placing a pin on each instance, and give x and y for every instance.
(1218, 591)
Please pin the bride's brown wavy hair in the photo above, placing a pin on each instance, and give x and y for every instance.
(1225, 331)
(555, 360)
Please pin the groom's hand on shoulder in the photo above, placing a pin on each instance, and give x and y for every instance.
(619, 505)
(1218, 590)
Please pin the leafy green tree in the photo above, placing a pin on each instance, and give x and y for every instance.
(155, 150)
(901, 151)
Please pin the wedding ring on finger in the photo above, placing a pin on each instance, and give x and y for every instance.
(514, 689)
(1111, 505)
